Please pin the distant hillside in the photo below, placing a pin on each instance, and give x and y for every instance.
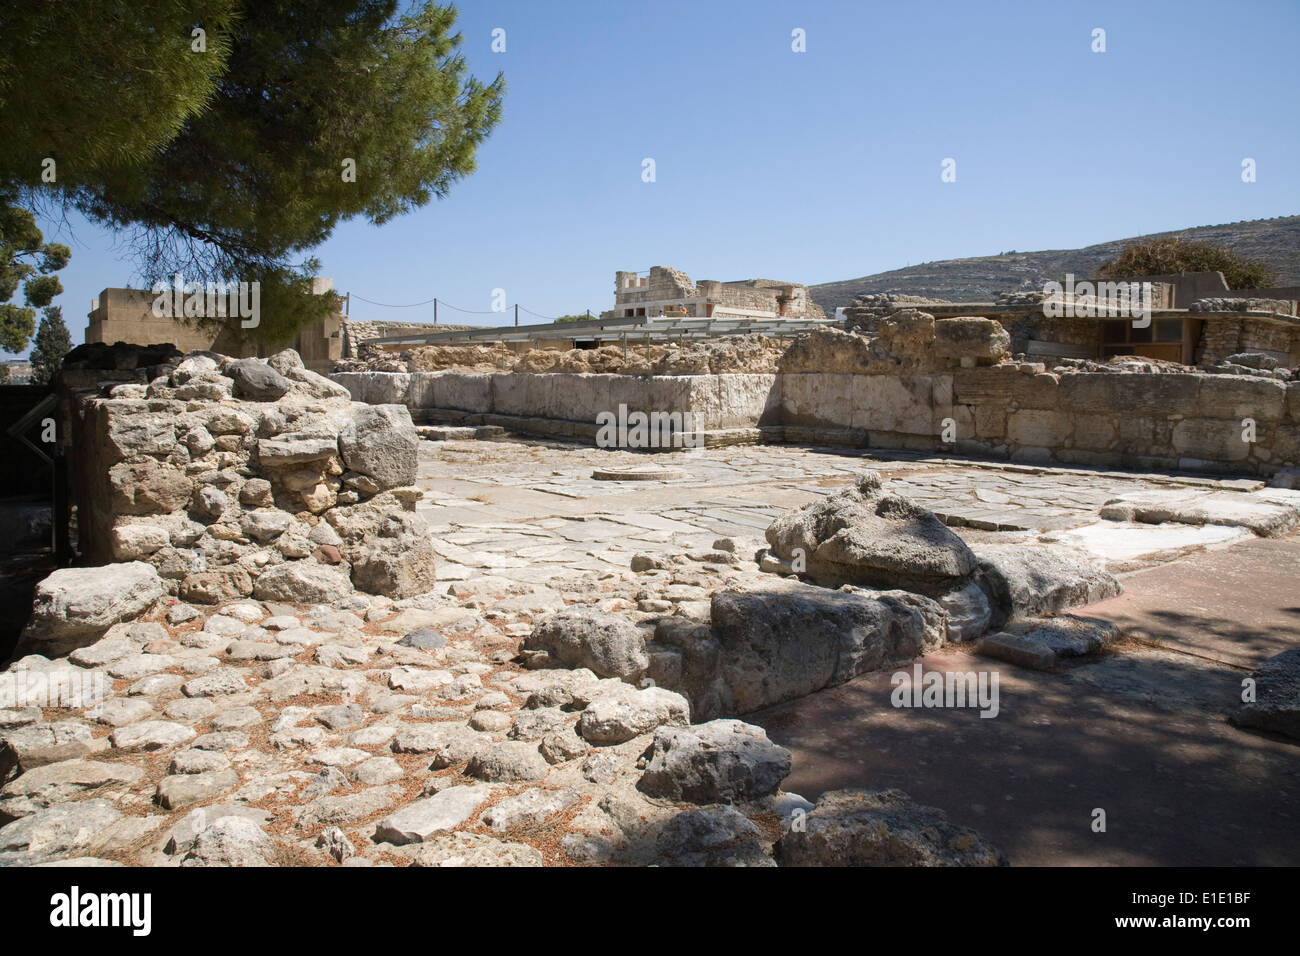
(1272, 241)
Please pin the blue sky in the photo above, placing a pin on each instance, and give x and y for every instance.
(821, 165)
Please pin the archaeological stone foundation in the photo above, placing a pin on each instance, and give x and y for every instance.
(921, 383)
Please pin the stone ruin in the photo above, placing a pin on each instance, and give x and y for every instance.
(224, 479)
(914, 382)
(259, 560)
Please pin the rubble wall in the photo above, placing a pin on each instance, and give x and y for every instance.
(237, 478)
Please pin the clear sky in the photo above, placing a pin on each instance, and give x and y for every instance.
(821, 165)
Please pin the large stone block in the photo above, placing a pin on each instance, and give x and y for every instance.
(76, 606)
(791, 639)
(884, 828)
(381, 442)
(1241, 396)
(1094, 432)
(1038, 428)
(985, 386)
(376, 388)
(130, 428)
(742, 400)
(1210, 439)
(889, 403)
(1024, 581)
(465, 391)
(970, 337)
(722, 761)
(1130, 392)
(865, 537)
(824, 399)
(1042, 390)
(145, 486)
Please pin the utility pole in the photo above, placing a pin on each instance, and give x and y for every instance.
(516, 315)
(435, 311)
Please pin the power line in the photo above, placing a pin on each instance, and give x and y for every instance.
(447, 305)
(389, 305)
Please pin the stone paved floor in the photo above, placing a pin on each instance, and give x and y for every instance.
(531, 510)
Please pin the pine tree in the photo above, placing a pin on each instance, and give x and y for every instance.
(29, 262)
(317, 113)
(52, 343)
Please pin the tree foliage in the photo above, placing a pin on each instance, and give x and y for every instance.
(1171, 255)
(52, 343)
(97, 84)
(318, 112)
(29, 262)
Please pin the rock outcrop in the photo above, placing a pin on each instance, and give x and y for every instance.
(866, 537)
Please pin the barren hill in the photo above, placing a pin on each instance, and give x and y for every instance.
(1273, 241)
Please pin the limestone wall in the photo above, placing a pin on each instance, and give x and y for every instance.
(1019, 411)
(717, 402)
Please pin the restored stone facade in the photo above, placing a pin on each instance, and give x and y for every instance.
(667, 291)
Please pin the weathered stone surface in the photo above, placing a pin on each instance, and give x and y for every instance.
(289, 450)
(55, 831)
(1199, 507)
(381, 442)
(303, 582)
(882, 828)
(711, 836)
(151, 735)
(62, 782)
(791, 639)
(1038, 580)
(473, 849)
(1277, 696)
(387, 545)
(147, 487)
(863, 536)
(969, 612)
(183, 790)
(425, 638)
(531, 806)
(216, 586)
(223, 680)
(257, 381)
(626, 712)
(76, 606)
(418, 821)
(510, 760)
(722, 761)
(971, 337)
(230, 841)
(120, 711)
(606, 644)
